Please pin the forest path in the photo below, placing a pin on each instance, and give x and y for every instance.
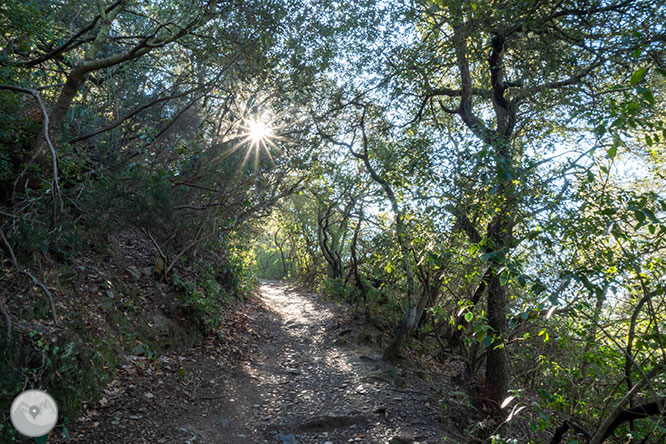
(296, 382)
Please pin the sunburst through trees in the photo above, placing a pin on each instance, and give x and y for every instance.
(259, 135)
(258, 132)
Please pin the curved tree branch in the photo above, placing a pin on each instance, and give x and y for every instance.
(55, 188)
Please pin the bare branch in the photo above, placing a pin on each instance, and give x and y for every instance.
(55, 186)
(8, 319)
(133, 113)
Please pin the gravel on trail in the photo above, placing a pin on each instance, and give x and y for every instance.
(289, 377)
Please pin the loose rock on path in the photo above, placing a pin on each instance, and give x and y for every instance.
(290, 382)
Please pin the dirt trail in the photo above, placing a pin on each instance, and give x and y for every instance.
(290, 384)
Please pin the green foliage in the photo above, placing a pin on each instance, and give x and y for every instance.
(336, 289)
(210, 285)
(204, 298)
(269, 263)
(239, 270)
(496, 439)
(71, 371)
(35, 238)
(6, 168)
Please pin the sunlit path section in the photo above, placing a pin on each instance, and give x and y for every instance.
(313, 390)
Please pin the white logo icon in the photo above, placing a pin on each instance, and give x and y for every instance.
(34, 413)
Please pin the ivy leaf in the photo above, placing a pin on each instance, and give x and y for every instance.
(637, 76)
(640, 216)
(435, 259)
(537, 288)
(650, 215)
(488, 256)
(468, 316)
(649, 97)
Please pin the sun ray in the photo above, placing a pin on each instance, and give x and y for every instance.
(257, 135)
(247, 155)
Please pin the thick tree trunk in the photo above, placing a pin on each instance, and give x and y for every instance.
(408, 323)
(74, 82)
(78, 75)
(358, 280)
(56, 118)
(500, 233)
(335, 267)
(280, 246)
(497, 363)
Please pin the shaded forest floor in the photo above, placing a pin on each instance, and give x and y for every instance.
(291, 369)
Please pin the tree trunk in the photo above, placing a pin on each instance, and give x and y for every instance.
(497, 364)
(281, 249)
(358, 280)
(77, 77)
(401, 333)
(335, 267)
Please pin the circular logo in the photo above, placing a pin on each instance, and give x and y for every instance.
(34, 413)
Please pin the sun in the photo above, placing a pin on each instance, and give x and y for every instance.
(257, 136)
(258, 132)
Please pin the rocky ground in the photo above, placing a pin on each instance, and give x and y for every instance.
(293, 372)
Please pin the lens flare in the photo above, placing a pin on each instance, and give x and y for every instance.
(257, 138)
(258, 132)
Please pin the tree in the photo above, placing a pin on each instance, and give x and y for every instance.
(514, 67)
